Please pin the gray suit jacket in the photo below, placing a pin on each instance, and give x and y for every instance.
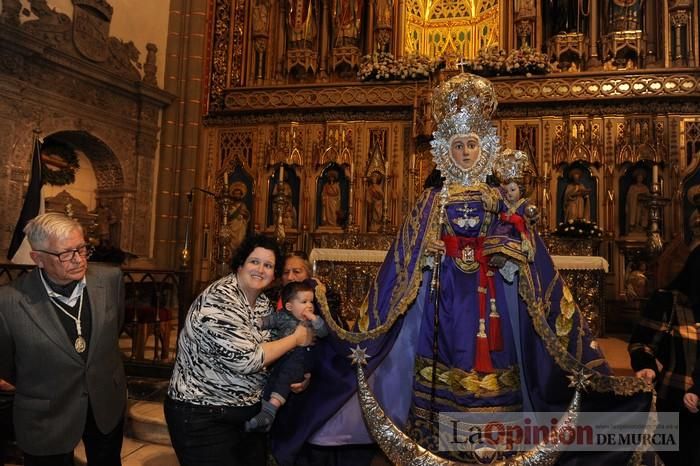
(53, 382)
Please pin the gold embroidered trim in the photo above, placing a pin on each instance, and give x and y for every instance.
(462, 383)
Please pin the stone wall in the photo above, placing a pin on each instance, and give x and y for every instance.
(87, 92)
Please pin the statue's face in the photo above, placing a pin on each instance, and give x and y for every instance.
(512, 191)
(465, 150)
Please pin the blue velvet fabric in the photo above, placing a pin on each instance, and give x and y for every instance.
(542, 342)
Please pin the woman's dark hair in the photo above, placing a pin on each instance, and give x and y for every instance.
(434, 180)
(257, 241)
(292, 288)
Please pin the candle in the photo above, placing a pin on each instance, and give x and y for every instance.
(226, 181)
(281, 177)
(386, 168)
(546, 168)
(654, 174)
(352, 170)
(413, 161)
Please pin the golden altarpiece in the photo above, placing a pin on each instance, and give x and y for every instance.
(299, 146)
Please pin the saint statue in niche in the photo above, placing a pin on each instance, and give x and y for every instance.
(238, 215)
(384, 13)
(289, 212)
(636, 282)
(636, 213)
(624, 15)
(577, 202)
(565, 16)
(105, 220)
(347, 19)
(375, 201)
(330, 200)
(261, 18)
(302, 24)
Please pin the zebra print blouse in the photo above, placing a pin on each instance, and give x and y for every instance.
(219, 357)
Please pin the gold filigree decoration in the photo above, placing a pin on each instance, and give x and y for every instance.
(604, 87)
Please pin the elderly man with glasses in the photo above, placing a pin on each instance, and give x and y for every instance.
(59, 331)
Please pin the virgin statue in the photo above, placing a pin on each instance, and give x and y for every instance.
(462, 316)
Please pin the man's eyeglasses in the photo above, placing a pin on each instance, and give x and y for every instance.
(85, 251)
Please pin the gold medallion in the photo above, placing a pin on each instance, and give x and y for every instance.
(80, 344)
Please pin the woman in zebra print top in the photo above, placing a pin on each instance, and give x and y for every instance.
(221, 363)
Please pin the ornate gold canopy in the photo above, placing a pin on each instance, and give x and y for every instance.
(451, 27)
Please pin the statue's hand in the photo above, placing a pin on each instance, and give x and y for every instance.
(435, 247)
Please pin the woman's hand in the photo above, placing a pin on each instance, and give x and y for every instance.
(6, 386)
(303, 335)
(690, 400)
(647, 374)
(301, 386)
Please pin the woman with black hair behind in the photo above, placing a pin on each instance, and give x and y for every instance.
(664, 351)
(219, 373)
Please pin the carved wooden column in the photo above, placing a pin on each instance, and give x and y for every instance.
(281, 42)
(650, 27)
(524, 23)
(681, 12)
(261, 25)
(593, 37)
(325, 33)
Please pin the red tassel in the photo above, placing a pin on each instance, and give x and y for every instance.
(495, 334)
(482, 361)
(279, 304)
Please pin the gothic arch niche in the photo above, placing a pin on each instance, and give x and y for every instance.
(450, 27)
(110, 196)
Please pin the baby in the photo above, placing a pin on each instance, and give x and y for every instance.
(298, 301)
